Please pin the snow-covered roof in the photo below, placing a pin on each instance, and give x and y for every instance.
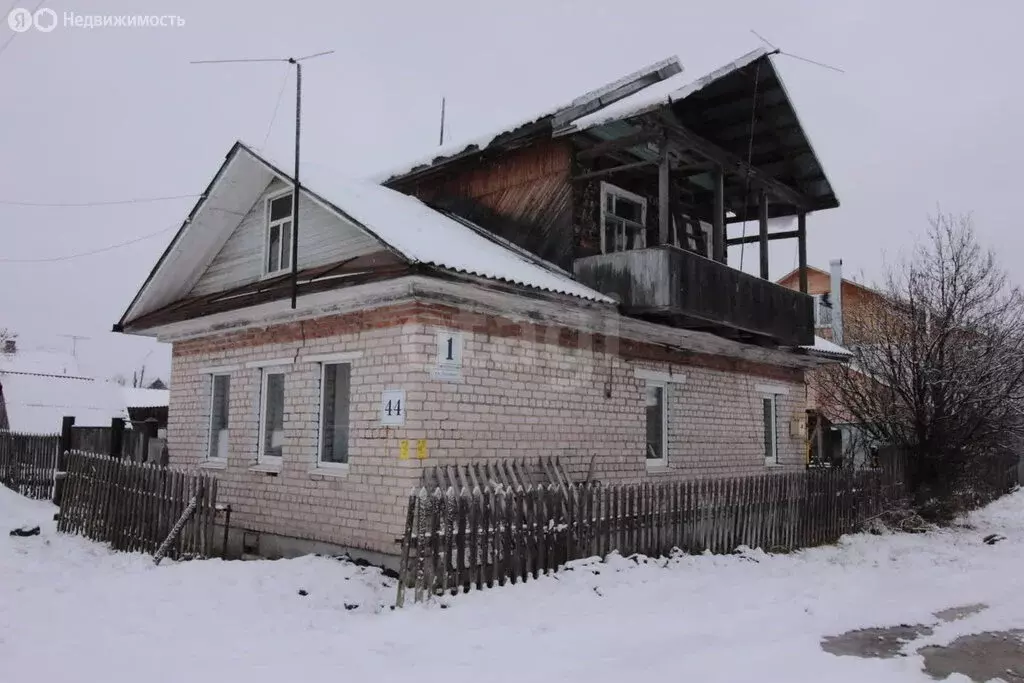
(40, 361)
(554, 117)
(827, 349)
(138, 397)
(424, 235)
(660, 94)
(406, 226)
(36, 403)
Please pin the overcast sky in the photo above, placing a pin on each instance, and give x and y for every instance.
(926, 115)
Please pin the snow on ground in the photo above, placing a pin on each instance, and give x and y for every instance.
(72, 611)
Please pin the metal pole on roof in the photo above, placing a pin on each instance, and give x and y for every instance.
(441, 142)
(298, 125)
(295, 181)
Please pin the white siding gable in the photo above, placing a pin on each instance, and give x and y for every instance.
(324, 238)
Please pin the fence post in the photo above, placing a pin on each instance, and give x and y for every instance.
(116, 436)
(67, 425)
(149, 431)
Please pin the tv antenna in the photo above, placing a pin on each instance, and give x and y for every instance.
(74, 342)
(780, 51)
(297, 61)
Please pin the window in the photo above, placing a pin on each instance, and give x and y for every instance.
(623, 220)
(279, 234)
(271, 415)
(219, 393)
(335, 380)
(771, 429)
(656, 423)
(692, 235)
(822, 310)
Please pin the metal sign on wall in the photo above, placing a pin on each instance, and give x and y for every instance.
(392, 407)
(448, 365)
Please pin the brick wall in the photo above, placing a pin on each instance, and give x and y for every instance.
(524, 391)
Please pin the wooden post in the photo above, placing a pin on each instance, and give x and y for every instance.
(149, 431)
(664, 210)
(801, 248)
(763, 233)
(719, 250)
(66, 431)
(116, 436)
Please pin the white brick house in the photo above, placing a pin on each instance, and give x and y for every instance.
(419, 338)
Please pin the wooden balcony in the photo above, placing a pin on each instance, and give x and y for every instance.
(679, 287)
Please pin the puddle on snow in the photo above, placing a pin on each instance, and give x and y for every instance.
(884, 642)
(980, 657)
(956, 613)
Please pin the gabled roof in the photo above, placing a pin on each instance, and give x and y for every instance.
(403, 225)
(846, 281)
(717, 106)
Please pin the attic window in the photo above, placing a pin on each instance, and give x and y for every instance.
(279, 234)
(623, 219)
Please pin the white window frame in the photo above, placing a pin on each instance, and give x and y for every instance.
(261, 456)
(773, 459)
(266, 234)
(209, 432)
(663, 460)
(320, 463)
(616, 191)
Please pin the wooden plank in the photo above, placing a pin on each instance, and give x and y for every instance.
(762, 223)
(462, 574)
(801, 249)
(492, 536)
(756, 238)
(431, 568)
(448, 507)
(718, 236)
(474, 559)
(405, 573)
(664, 201)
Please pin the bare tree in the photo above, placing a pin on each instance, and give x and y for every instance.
(938, 366)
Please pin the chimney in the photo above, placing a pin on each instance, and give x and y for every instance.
(10, 346)
(836, 297)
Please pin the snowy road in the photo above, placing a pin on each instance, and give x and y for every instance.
(72, 611)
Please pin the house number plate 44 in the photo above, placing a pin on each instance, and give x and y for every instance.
(392, 407)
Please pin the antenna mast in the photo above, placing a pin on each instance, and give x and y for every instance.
(441, 143)
(297, 61)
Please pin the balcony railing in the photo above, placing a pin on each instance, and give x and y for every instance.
(689, 290)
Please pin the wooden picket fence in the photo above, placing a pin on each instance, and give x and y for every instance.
(27, 463)
(457, 540)
(133, 506)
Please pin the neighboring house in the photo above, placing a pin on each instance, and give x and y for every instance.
(148, 404)
(39, 388)
(837, 312)
(553, 297)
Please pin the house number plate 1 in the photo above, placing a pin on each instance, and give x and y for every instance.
(392, 407)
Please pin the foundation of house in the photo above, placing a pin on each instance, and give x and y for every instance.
(245, 543)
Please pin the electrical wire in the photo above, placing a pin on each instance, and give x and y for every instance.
(750, 158)
(68, 257)
(113, 202)
(277, 105)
